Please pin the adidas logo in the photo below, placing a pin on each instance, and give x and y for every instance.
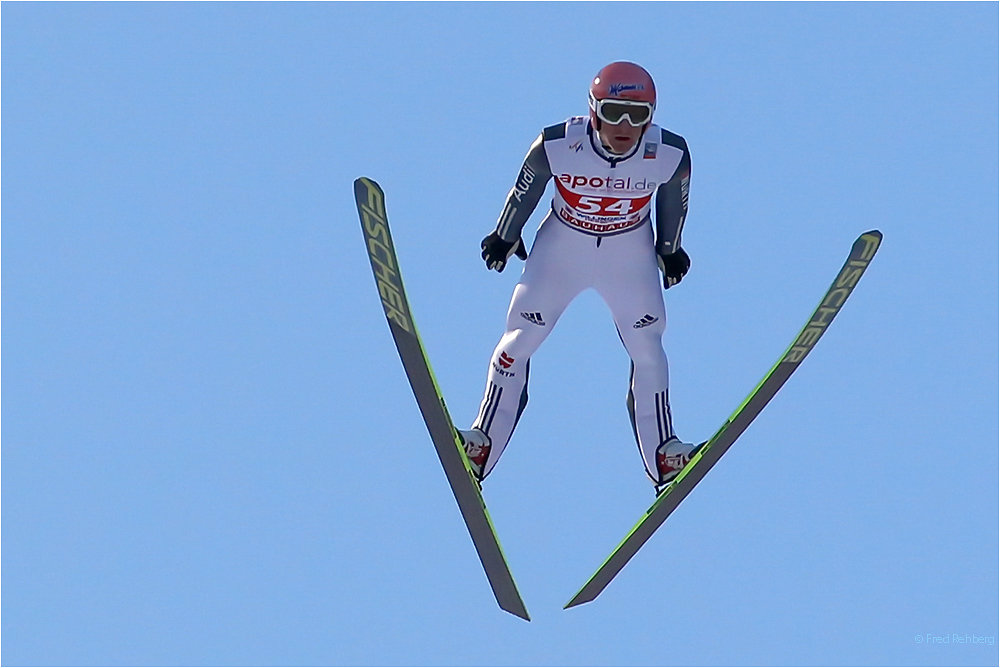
(644, 321)
(534, 318)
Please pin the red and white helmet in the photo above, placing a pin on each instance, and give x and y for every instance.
(625, 83)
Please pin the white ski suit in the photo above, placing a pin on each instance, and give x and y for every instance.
(598, 234)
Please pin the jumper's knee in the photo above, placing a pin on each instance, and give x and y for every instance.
(521, 343)
(644, 348)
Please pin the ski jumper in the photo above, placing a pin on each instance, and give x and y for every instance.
(598, 234)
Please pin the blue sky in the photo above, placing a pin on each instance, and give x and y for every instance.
(210, 452)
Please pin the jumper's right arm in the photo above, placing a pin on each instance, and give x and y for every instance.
(522, 199)
(527, 191)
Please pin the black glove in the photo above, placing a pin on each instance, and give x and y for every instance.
(674, 266)
(496, 251)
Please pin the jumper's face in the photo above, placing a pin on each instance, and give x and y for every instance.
(620, 138)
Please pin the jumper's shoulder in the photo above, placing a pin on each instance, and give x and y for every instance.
(672, 139)
(557, 131)
(571, 126)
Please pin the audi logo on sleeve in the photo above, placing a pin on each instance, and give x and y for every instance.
(600, 197)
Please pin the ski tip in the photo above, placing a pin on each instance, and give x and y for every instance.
(366, 183)
(867, 245)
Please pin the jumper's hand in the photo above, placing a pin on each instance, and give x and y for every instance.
(674, 266)
(496, 251)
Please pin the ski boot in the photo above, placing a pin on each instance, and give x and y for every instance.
(477, 449)
(671, 458)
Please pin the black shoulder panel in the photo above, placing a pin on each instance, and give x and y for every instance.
(557, 131)
(670, 139)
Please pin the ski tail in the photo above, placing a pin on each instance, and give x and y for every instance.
(862, 252)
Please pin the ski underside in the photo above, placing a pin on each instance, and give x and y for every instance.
(375, 225)
(712, 450)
